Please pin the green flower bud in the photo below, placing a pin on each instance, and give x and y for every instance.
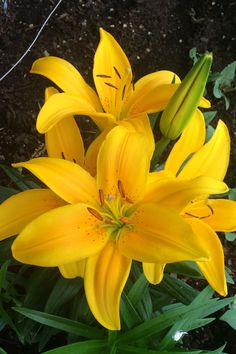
(185, 100)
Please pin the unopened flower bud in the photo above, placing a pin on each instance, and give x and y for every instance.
(185, 100)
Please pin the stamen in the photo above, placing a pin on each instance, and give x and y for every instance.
(62, 155)
(104, 76)
(121, 188)
(117, 72)
(113, 86)
(74, 160)
(128, 200)
(101, 197)
(198, 217)
(123, 92)
(125, 220)
(211, 209)
(95, 213)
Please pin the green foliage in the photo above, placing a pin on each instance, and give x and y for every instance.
(223, 81)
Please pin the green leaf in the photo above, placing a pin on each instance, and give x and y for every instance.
(230, 316)
(232, 194)
(183, 268)
(167, 319)
(178, 289)
(62, 323)
(88, 347)
(209, 116)
(153, 117)
(6, 192)
(3, 272)
(230, 236)
(136, 292)
(2, 351)
(63, 291)
(209, 132)
(128, 312)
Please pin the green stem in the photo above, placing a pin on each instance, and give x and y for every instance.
(112, 335)
(159, 149)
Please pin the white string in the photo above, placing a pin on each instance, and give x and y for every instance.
(35, 39)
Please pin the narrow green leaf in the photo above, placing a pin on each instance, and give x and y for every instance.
(3, 272)
(205, 294)
(153, 117)
(178, 289)
(63, 291)
(6, 192)
(230, 317)
(2, 351)
(209, 116)
(167, 319)
(183, 268)
(136, 292)
(128, 312)
(61, 323)
(88, 347)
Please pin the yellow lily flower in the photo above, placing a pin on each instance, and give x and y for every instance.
(117, 99)
(204, 215)
(111, 220)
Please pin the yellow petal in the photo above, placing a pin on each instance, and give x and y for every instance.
(191, 140)
(62, 105)
(65, 141)
(67, 77)
(67, 179)
(105, 277)
(92, 153)
(158, 235)
(73, 270)
(17, 211)
(123, 158)
(213, 269)
(154, 272)
(155, 101)
(63, 235)
(146, 93)
(112, 74)
(176, 194)
(142, 125)
(212, 159)
(219, 214)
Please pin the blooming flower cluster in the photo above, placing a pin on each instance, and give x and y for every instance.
(103, 209)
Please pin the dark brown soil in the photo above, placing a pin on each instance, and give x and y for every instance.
(155, 34)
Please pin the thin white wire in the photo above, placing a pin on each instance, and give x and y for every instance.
(35, 39)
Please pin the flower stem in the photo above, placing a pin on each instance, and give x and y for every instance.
(159, 149)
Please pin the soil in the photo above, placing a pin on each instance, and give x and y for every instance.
(155, 34)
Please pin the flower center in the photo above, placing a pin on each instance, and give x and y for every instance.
(115, 211)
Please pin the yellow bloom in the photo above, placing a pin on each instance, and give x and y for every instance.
(111, 220)
(191, 158)
(118, 99)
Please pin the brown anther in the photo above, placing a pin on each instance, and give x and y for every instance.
(74, 160)
(62, 155)
(95, 213)
(125, 220)
(104, 76)
(121, 188)
(129, 200)
(101, 197)
(111, 85)
(117, 72)
(123, 92)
